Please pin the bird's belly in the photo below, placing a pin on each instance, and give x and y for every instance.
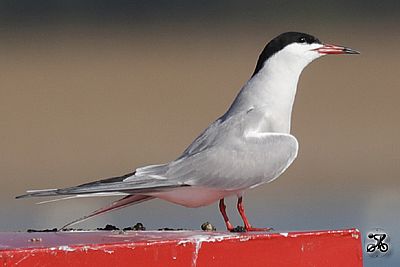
(194, 196)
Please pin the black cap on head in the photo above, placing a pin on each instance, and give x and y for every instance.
(279, 42)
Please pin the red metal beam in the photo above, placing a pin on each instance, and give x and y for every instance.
(181, 248)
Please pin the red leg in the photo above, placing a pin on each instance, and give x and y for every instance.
(247, 225)
(222, 209)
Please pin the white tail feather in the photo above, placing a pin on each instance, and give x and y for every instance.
(110, 194)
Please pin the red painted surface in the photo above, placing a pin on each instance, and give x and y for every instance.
(181, 248)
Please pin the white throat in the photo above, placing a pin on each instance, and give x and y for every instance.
(273, 88)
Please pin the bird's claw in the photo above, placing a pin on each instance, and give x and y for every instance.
(238, 229)
(254, 229)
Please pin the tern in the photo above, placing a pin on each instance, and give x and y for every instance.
(248, 146)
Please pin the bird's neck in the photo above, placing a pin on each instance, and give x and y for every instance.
(272, 89)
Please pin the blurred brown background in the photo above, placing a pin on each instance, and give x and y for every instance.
(96, 89)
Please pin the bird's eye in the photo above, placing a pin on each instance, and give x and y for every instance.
(302, 40)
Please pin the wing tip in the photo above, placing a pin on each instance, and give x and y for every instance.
(38, 193)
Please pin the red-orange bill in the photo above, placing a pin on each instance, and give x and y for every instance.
(335, 50)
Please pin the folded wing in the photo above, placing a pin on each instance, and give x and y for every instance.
(239, 164)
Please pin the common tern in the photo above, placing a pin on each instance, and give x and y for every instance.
(248, 146)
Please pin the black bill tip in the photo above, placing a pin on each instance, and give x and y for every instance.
(347, 50)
